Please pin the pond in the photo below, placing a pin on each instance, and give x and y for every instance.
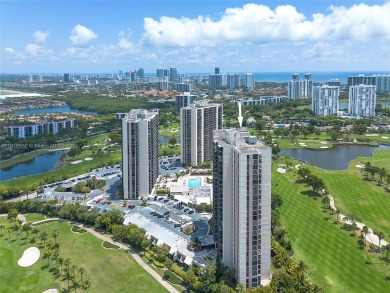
(62, 109)
(385, 104)
(165, 139)
(336, 158)
(39, 164)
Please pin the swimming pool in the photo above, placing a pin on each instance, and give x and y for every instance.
(192, 183)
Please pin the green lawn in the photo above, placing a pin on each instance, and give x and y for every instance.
(334, 260)
(108, 270)
(304, 143)
(34, 217)
(172, 129)
(361, 198)
(168, 150)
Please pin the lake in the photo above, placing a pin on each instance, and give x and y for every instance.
(385, 104)
(165, 139)
(336, 158)
(39, 164)
(62, 109)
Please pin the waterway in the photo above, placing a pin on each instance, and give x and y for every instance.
(385, 104)
(165, 139)
(62, 109)
(336, 158)
(37, 165)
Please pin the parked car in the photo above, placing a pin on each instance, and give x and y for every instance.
(130, 206)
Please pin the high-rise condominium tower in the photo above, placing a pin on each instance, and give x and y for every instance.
(362, 100)
(242, 205)
(197, 123)
(140, 152)
(184, 100)
(325, 100)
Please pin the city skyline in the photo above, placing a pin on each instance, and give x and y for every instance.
(253, 36)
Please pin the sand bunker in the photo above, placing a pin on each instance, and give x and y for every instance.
(281, 170)
(385, 137)
(323, 142)
(359, 166)
(324, 147)
(88, 159)
(301, 143)
(76, 162)
(29, 257)
(51, 291)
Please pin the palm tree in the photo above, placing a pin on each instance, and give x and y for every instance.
(365, 231)
(301, 267)
(381, 173)
(43, 237)
(380, 236)
(68, 275)
(67, 263)
(316, 289)
(61, 262)
(81, 271)
(87, 284)
(49, 243)
(55, 234)
(387, 248)
(1, 230)
(47, 254)
(26, 228)
(35, 231)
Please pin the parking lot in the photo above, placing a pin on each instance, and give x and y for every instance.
(170, 165)
(112, 175)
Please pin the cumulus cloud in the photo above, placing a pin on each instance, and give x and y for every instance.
(260, 24)
(82, 35)
(40, 36)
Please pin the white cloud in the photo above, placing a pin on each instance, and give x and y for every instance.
(40, 36)
(81, 35)
(260, 24)
(9, 50)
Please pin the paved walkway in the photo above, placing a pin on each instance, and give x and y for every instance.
(370, 237)
(137, 258)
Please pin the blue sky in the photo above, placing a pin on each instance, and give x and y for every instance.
(39, 36)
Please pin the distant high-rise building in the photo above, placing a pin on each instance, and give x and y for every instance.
(360, 79)
(362, 100)
(160, 72)
(216, 70)
(120, 74)
(382, 83)
(184, 100)
(333, 82)
(66, 77)
(233, 80)
(294, 87)
(166, 73)
(249, 80)
(141, 73)
(197, 123)
(242, 205)
(133, 76)
(183, 87)
(173, 74)
(140, 152)
(217, 81)
(325, 100)
(307, 86)
(40, 78)
(163, 85)
(182, 76)
(30, 78)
